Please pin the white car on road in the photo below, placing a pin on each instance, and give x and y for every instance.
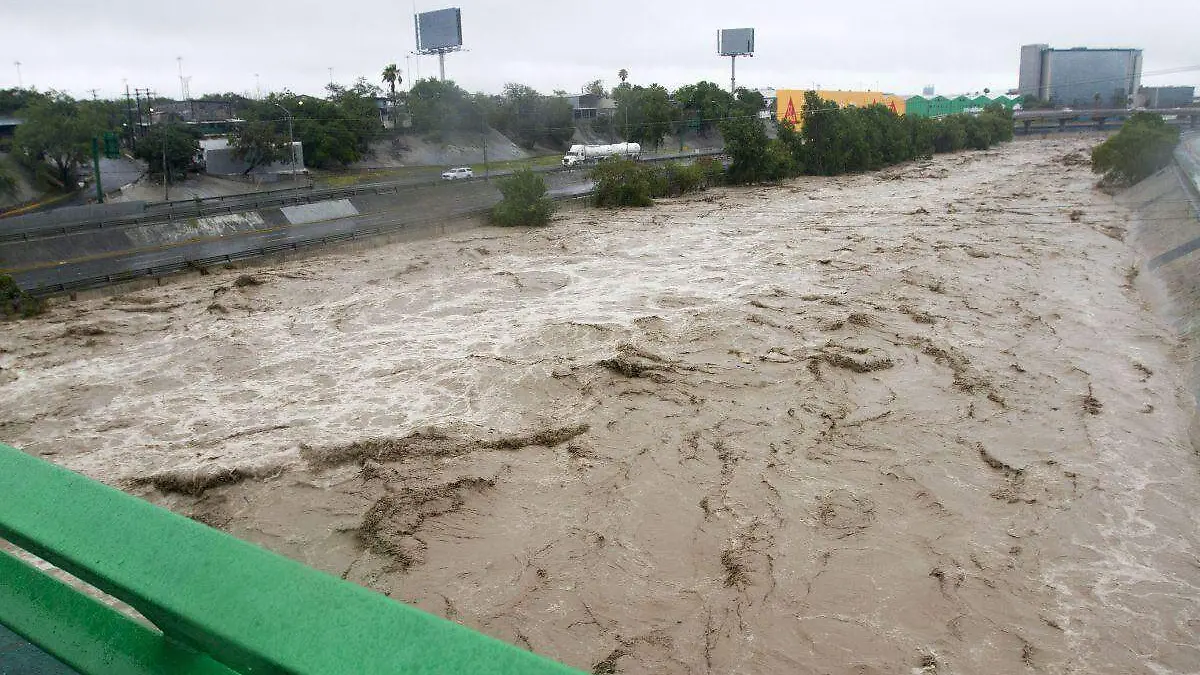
(458, 173)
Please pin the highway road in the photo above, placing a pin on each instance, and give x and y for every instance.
(101, 270)
(17, 228)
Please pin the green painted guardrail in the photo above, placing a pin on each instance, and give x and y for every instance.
(223, 606)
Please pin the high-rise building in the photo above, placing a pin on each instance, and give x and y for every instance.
(1075, 77)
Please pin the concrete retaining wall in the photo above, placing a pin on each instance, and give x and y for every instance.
(1167, 232)
(315, 213)
(410, 205)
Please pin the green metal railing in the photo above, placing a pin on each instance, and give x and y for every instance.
(220, 605)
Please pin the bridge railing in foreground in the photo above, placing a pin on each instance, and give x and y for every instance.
(221, 606)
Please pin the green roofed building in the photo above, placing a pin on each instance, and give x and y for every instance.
(940, 106)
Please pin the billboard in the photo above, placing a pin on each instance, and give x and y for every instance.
(789, 103)
(735, 41)
(439, 31)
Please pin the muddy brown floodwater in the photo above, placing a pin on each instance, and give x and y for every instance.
(918, 420)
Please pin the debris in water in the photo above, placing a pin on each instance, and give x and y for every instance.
(1091, 404)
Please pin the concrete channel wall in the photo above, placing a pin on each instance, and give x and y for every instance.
(1167, 232)
(92, 257)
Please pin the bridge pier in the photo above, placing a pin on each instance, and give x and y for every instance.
(1029, 123)
(1062, 124)
(1192, 120)
(1100, 123)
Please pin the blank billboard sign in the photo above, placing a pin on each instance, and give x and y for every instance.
(735, 41)
(440, 30)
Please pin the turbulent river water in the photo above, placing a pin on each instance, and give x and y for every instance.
(919, 420)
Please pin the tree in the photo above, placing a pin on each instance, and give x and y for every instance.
(951, 135)
(437, 107)
(754, 157)
(623, 75)
(8, 183)
(645, 113)
(258, 144)
(178, 142)
(704, 104)
(58, 132)
(334, 132)
(749, 102)
(595, 88)
(391, 76)
(16, 303)
(525, 201)
(921, 131)
(1142, 146)
(835, 142)
(530, 118)
(622, 182)
(791, 142)
(12, 100)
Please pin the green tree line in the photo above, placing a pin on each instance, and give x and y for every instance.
(834, 140)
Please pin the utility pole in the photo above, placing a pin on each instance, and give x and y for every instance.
(166, 171)
(20, 80)
(330, 76)
(183, 86)
(93, 93)
(96, 167)
(483, 141)
(291, 138)
(128, 116)
(138, 94)
(257, 88)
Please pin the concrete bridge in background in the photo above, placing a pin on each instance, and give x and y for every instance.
(1098, 117)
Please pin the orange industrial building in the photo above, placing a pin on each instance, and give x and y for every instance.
(789, 103)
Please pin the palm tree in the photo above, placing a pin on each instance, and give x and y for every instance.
(623, 74)
(391, 76)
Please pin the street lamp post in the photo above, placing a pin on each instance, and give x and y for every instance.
(291, 139)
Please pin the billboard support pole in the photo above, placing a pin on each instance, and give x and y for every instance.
(442, 66)
(735, 42)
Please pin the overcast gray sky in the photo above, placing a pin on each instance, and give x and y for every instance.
(957, 45)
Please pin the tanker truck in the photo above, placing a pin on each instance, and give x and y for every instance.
(579, 154)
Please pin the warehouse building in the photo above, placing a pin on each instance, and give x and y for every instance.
(939, 106)
(1080, 77)
(789, 103)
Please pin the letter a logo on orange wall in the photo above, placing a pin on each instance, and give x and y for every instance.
(790, 113)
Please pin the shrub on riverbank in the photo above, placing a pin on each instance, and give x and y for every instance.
(623, 182)
(1142, 147)
(15, 303)
(525, 201)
